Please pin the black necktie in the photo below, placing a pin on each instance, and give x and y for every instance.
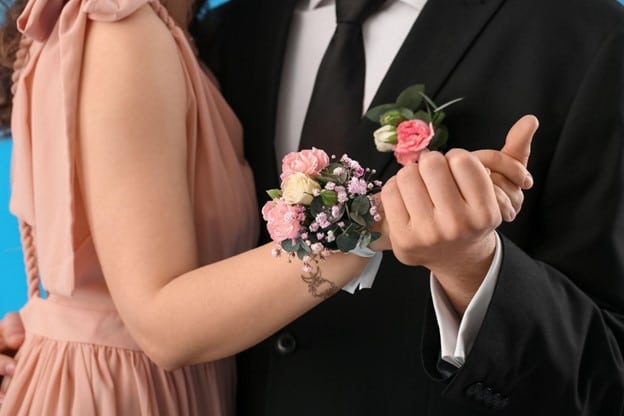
(335, 108)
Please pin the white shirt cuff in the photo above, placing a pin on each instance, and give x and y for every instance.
(457, 338)
(366, 279)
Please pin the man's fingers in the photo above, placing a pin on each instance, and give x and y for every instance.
(394, 210)
(519, 137)
(507, 210)
(439, 182)
(502, 163)
(513, 192)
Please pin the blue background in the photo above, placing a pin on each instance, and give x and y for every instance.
(12, 278)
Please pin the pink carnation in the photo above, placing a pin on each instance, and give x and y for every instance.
(310, 162)
(413, 137)
(283, 220)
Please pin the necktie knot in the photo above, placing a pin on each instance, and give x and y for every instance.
(355, 11)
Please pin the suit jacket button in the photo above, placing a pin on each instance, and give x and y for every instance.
(285, 343)
(474, 389)
(501, 403)
(489, 398)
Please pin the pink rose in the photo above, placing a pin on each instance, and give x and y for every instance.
(310, 162)
(413, 137)
(283, 220)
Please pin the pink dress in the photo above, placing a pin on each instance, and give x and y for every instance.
(78, 358)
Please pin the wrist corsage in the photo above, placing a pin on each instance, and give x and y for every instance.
(324, 205)
(411, 125)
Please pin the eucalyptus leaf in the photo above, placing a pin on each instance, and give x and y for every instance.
(361, 205)
(346, 242)
(411, 97)
(439, 139)
(365, 240)
(289, 245)
(357, 218)
(301, 253)
(327, 174)
(317, 206)
(375, 235)
(423, 115)
(438, 117)
(406, 113)
(301, 245)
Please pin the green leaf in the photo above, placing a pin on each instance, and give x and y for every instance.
(423, 115)
(274, 193)
(445, 105)
(406, 113)
(289, 245)
(365, 240)
(357, 218)
(303, 246)
(301, 253)
(411, 97)
(346, 242)
(375, 113)
(374, 235)
(317, 206)
(329, 198)
(439, 139)
(361, 205)
(429, 100)
(438, 117)
(327, 174)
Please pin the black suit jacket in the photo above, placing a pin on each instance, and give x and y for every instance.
(553, 336)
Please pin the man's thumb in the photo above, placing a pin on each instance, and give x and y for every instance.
(518, 141)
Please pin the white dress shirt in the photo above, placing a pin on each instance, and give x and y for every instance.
(311, 29)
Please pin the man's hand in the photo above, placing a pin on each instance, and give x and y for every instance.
(508, 166)
(442, 212)
(11, 338)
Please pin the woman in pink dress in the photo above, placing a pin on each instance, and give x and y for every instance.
(130, 185)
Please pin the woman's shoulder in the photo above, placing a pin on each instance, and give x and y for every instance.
(142, 37)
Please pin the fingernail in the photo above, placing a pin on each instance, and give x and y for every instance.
(528, 181)
(9, 369)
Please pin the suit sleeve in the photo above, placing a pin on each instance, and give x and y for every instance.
(554, 330)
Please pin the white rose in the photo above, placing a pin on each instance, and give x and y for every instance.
(299, 188)
(385, 138)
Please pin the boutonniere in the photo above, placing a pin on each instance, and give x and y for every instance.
(410, 125)
(324, 205)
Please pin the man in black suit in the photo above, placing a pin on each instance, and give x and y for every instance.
(551, 337)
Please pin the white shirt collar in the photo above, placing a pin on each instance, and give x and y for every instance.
(313, 4)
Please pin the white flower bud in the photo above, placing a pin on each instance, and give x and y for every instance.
(385, 138)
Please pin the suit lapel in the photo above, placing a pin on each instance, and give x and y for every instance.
(441, 36)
